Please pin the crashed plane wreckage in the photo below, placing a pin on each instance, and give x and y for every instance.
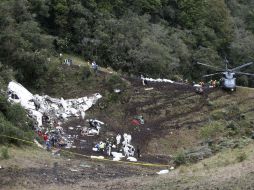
(53, 108)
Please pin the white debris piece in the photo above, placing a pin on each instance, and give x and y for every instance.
(162, 172)
(55, 108)
(37, 116)
(97, 157)
(157, 80)
(117, 155)
(116, 159)
(117, 90)
(74, 170)
(132, 159)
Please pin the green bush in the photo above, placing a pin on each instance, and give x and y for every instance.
(17, 115)
(219, 114)
(8, 129)
(13, 122)
(86, 73)
(211, 130)
(241, 157)
(180, 159)
(114, 82)
(5, 153)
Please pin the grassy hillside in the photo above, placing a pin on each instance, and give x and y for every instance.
(177, 120)
(181, 128)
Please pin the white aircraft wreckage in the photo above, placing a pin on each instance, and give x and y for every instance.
(53, 108)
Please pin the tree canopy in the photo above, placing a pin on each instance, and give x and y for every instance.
(154, 37)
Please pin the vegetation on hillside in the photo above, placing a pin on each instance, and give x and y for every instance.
(155, 37)
(160, 38)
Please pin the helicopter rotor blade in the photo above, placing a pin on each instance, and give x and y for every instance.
(241, 73)
(245, 65)
(216, 68)
(211, 75)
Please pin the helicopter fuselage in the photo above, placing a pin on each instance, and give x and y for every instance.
(229, 81)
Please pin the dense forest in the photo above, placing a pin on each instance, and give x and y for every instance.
(159, 38)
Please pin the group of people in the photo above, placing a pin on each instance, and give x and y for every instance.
(54, 138)
(211, 83)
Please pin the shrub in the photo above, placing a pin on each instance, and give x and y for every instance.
(86, 73)
(17, 115)
(8, 129)
(211, 130)
(241, 157)
(114, 82)
(180, 159)
(5, 153)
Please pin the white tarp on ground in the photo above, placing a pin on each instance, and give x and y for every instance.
(53, 107)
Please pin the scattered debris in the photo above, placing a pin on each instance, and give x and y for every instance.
(138, 120)
(94, 129)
